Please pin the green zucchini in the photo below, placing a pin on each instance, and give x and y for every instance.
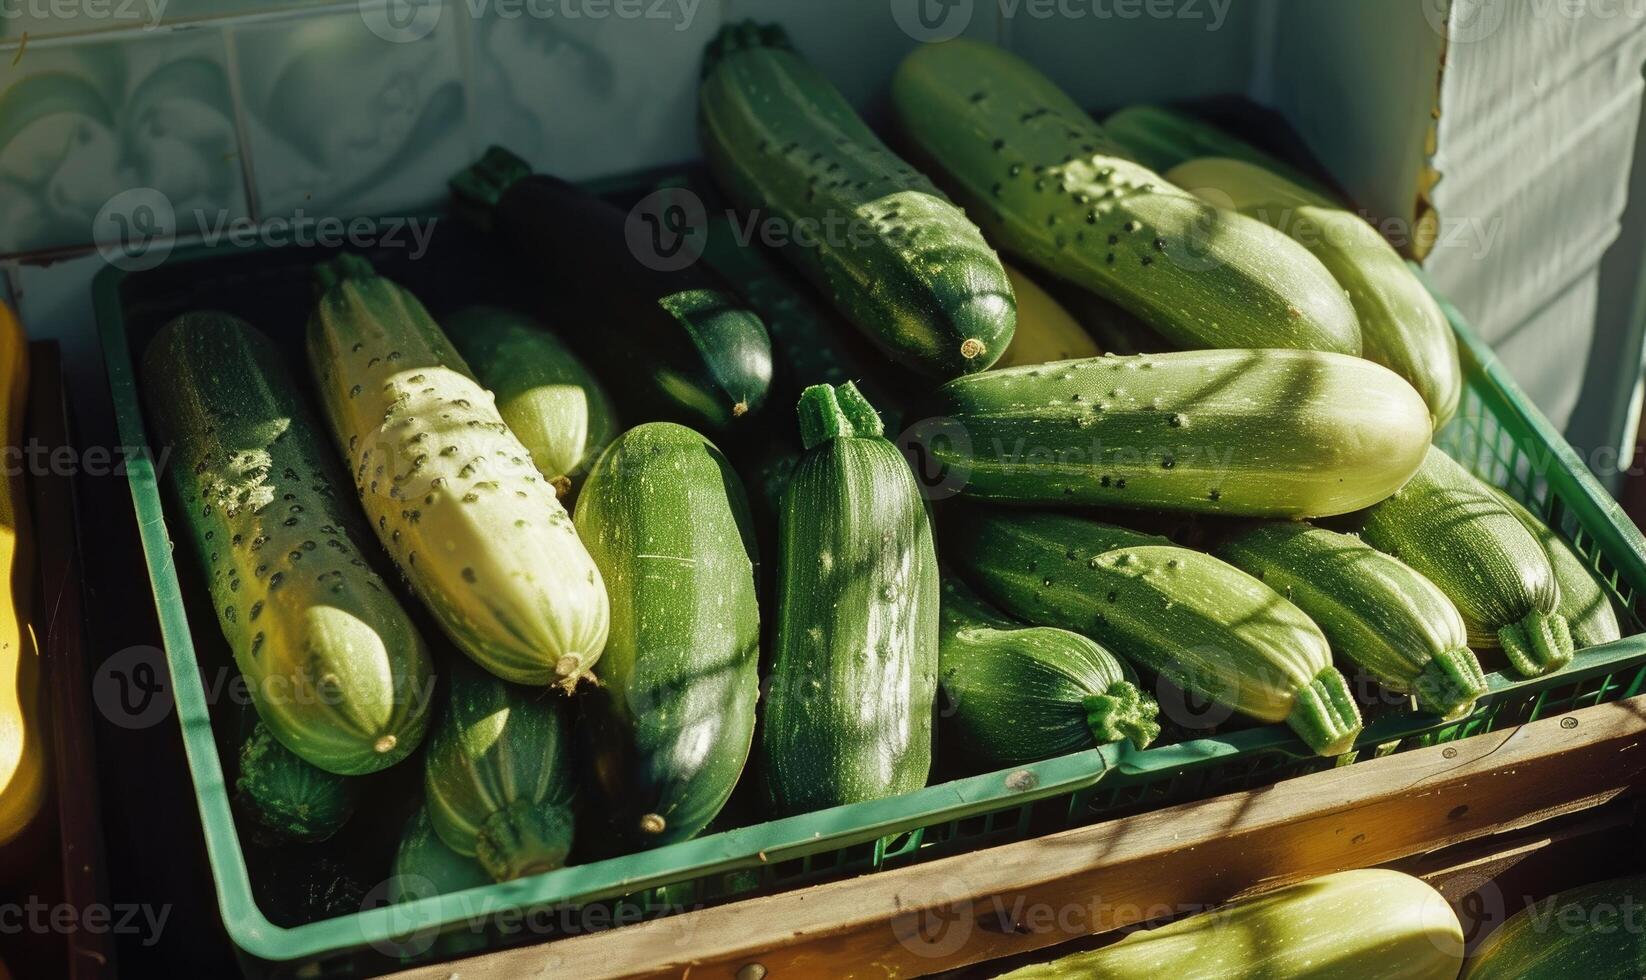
(896, 256)
(1049, 186)
(669, 729)
(454, 497)
(1583, 600)
(546, 396)
(1401, 325)
(1259, 433)
(1451, 528)
(287, 798)
(854, 666)
(1015, 694)
(1371, 924)
(498, 777)
(1390, 621)
(336, 668)
(424, 866)
(1115, 330)
(1045, 330)
(1593, 932)
(1200, 623)
(1162, 138)
(667, 338)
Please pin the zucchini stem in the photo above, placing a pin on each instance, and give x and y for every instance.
(744, 36)
(1539, 644)
(1450, 683)
(836, 413)
(477, 189)
(523, 838)
(345, 266)
(1122, 712)
(1325, 714)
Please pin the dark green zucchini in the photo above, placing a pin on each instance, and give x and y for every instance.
(288, 799)
(668, 729)
(896, 256)
(1583, 600)
(424, 866)
(1015, 694)
(854, 667)
(671, 342)
(1593, 933)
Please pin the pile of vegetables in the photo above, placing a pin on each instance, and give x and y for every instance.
(573, 624)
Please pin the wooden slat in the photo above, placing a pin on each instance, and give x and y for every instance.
(1029, 895)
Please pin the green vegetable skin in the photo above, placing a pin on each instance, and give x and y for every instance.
(1047, 184)
(337, 670)
(452, 493)
(896, 256)
(287, 797)
(497, 777)
(1204, 625)
(669, 729)
(1401, 325)
(546, 396)
(1015, 694)
(1592, 932)
(854, 672)
(1259, 433)
(1583, 600)
(1355, 925)
(1391, 621)
(1450, 528)
(1161, 138)
(424, 866)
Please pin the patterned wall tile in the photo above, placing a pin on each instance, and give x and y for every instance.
(131, 136)
(347, 117)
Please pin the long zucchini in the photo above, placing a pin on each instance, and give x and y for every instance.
(1195, 620)
(1593, 932)
(1161, 138)
(1262, 433)
(1583, 600)
(1454, 531)
(1014, 694)
(896, 257)
(854, 664)
(452, 493)
(1401, 325)
(1050, 187)
(1386, 618)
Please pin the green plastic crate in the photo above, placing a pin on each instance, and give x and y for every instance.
(1498, 434)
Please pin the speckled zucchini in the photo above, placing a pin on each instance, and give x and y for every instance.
(1195, 620)
(336, 668)
(854, 664)
(1050, 187)
(1262, 433)
(1583, 600)
(668, 730)
(1045, 330)
(1401, 325)
(1375, 611)
(288, 799)
(1014, 694)
(453, 495)
(545, 394)
(1451, 528)
(498, 775)
(1590, 932)
(1162, 138)
(894, 254)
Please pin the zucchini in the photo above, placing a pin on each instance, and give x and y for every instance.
(1259, 433)
(895, 256)
(1045, 330)
(673, 343)
(1162, 138)
(545, 394)
(669, 729)
(453, 494)
(497, 778)
(336, 668)
(1016, 694)
(287, 798)
(1113, 329)
(1051, 188)
(1591, 932)
(1372, 924)
(1401, 325)
(1454, 531)
(1583, 599)
(425, 866)
(854, 665)
(1200, 623)
(1390, 621)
